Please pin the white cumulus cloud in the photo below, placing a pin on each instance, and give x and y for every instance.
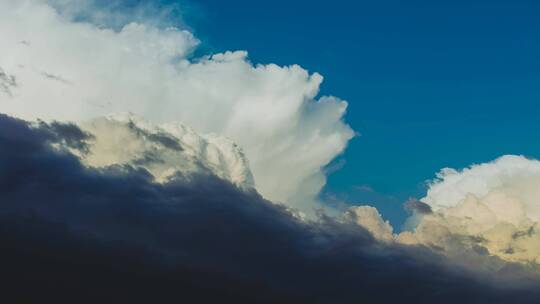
(490, 209)
(77, 71)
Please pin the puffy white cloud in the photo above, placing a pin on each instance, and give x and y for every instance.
(490, 208)
(164, 151)
(370, 219)
(515, 175)
(78, 71)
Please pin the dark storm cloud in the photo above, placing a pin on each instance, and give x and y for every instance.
(69, 233)
(68, 134)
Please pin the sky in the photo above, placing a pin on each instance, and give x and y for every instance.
(280, 152)
(430, 84)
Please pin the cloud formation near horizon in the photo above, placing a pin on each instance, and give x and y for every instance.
(492, 206)
(70, 232)
(491, 209)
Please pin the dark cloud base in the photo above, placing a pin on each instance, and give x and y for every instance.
(79, 235)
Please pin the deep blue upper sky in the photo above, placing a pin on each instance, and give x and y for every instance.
(430, 83)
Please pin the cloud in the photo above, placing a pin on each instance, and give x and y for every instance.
(55, 77)
(287, 132)
(415, 206)
(508, 172)
(73, 233)
(7, 82)
(122, 207)
(491, 208)
(370, 219)
(164, 150)
(68, 135)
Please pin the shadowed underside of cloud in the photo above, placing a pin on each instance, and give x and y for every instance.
(77, 234)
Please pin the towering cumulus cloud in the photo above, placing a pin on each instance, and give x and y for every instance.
(76, 71)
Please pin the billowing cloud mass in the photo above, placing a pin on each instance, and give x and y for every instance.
(370, 219)
(164, 151)
(490, 209)
(77, 71)
(149, 175)
(71, 233)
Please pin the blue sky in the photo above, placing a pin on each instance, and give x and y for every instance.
(430, 84)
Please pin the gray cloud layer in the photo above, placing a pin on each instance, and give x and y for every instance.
(73, 233)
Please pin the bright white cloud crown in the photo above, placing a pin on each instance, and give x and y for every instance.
(77, 71)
